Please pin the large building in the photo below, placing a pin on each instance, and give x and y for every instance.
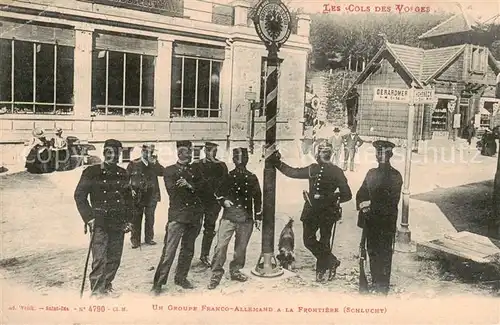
(141, 71)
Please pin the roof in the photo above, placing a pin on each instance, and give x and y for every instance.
(436, 60)
(459, 23)
(419, 64)
(410, 57)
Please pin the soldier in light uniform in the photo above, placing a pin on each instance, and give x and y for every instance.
(378, 198)
(352, 142)
(184, 185)
(337, 141)
(214, 171)
(321, 209)
(241, 197)
(144, 173)
(109, 214)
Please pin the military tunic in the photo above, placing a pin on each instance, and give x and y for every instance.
(144, 181)
(321, 208)
(382, 187)
(214, 172)
(185, 214)
(242, 188)
(107, 187)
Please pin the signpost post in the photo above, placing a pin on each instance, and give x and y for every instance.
(272, 22)
(251, 96)
(412, 97)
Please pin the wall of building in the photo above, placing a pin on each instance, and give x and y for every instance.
(380, 119)
(237, 48)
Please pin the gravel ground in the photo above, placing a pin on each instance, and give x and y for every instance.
(44, 248)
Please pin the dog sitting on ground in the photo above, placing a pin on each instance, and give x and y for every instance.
(286, 246)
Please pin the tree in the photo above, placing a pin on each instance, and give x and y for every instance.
(336, 37)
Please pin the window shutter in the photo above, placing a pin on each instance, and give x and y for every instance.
(200, 51)
(37, 33)
(125, 43)
(484, 60)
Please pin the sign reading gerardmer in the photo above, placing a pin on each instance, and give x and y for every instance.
(401, 95)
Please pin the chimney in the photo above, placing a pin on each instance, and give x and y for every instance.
(241, 12)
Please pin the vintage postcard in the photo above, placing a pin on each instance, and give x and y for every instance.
(249, 162)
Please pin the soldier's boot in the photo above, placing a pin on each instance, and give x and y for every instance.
(156, 290)
(214, 283)
(206, 244)
(238, 276)
(333, 270)
(320, 276)
(184, 283)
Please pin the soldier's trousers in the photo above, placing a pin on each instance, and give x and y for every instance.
(380, 248)
(210, 214)
(349, 155)
(319, 248)
(243, 232)
(148, 211)
(175, 233)
(107, 249)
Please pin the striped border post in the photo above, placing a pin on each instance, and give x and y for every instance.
(267, 266)
(269, 188)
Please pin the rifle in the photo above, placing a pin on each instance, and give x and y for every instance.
(363, 282)
(87, 260)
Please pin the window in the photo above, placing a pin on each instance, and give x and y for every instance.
(36, 78)
(479, 61)
(123, 83)
(263, 84)
(195, 87)
(439, 117)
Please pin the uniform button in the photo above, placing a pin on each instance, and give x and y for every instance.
(239, 188)
(117, 191)
(104, 181)
(118, 201)
(234, 176)
(104, 191)
(105, 201)
(246, 183)
(187, 204)
(317, 188)
(246, 199)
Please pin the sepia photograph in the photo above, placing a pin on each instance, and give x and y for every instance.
(249, 162)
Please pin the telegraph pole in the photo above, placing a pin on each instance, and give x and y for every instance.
(272, 22)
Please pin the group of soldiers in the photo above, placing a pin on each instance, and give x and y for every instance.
(112, 201)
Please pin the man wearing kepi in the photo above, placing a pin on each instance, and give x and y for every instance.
(321, 209)
(214, 171)
(241, 196)
(144, 173)
(378, 198)
(184, 184)
(109, 214)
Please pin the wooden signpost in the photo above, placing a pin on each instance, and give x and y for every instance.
(411, 97)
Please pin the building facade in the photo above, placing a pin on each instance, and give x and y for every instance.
(109, 69)
(460, 69)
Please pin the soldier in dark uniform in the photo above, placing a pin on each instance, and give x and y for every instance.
(378, 198)
(241, 196)
(321, 209)
(109, 214)
(184, 185)
(144, 173)
(214, 171)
